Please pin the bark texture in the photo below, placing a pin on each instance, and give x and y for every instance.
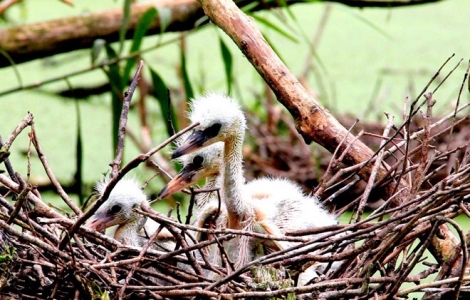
(24, 43)
(28, 42)
(312, 120)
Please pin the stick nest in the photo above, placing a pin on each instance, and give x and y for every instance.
(395, 251)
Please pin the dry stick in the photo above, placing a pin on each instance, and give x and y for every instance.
(420, 172)
(408, 120)
(342, 190)
(6, 4)
(183, 290)
(89, 233)
(410, 115)
(4, 157)
(19, 204)
(23, 218)
(160, 163)
(406, 133)
(423, 286)
(40, 207)
(377, 164)
(191, 206)
(419, 133)
(423, 208)
(129, 166)
(464, 209)
(333, 164)
(123, 120)
(279, 255)
(139, 259)
(50, 174)
(163, 288)
(312, 121)
(406, 125)
(463, 243)
(447, 76)
(458, 102)
(33, 240)
(396, 285)
(27, 121)
(158, 217)
(82, 248)
(180, 240)
(101, 65)
(403, 217)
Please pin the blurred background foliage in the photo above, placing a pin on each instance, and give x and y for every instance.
(359, 62)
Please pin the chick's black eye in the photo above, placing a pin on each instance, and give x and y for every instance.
(115, 209)
(198, 160)
(212, 130)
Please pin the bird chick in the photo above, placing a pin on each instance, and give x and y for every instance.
(119, 210)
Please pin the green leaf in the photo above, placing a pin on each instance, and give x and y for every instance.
(369, 23)
(79, 147)
(126, 19)
(187, 84)
(113, 71)
(228, 64)
(310, 44)
(96, 50)
(162, 95)
(139, 34)
(249, 7)
(274, 27)
(79, 154)
(287, 8)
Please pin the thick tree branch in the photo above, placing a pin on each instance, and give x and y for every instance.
(28, 42)
(312, 121)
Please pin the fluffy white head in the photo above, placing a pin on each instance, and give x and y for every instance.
(209, 159)
(118, 209)
(205, 162)
(213, 108)
(127, 188)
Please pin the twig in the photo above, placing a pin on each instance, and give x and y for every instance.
(129, 166)
(20, 201)
(458, 100)
(27, 121)
(123, 120)
(377, 164)
(4, 5)
(4, 153)
(464, 250)
(423, 286)
(50, 174)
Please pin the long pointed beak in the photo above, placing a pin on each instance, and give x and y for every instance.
(99, 222)
(194, 141)
(179, 182)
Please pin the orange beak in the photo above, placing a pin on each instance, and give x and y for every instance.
(184, 178)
